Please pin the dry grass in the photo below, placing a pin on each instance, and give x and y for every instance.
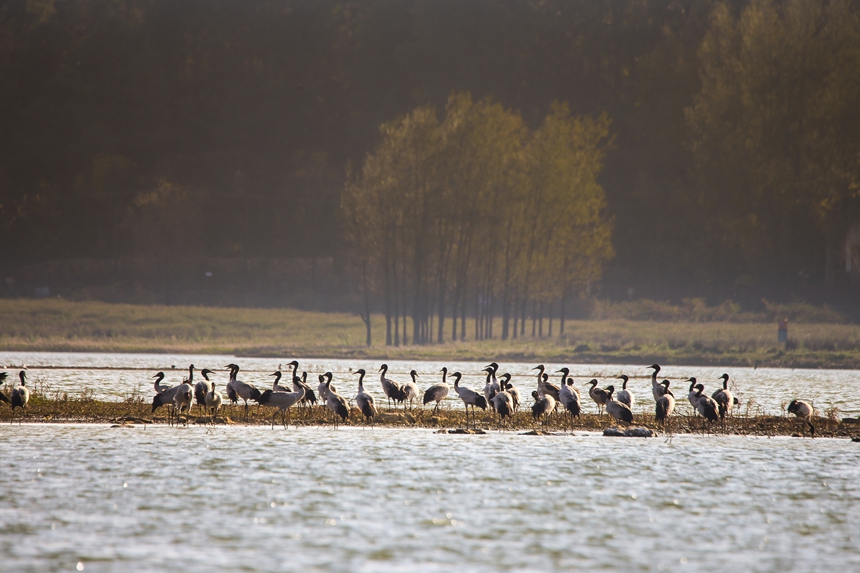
(59, 325)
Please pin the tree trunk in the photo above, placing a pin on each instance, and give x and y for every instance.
(366, 316)
(561, 318)
(550, 320)
(540, 320)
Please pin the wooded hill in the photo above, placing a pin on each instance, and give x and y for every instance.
(223, 128)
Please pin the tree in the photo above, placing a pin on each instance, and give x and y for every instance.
(479, 198)
(776, 126)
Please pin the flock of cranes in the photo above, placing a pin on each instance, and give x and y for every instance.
(499, 394)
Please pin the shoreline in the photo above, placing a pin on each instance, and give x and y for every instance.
(130, 413)
(57, 325)
(450, 352)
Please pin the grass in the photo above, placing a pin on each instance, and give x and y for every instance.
(60, 325)
(137, 410)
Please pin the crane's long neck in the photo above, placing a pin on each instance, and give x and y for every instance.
(190, 374)
(444, 376)
(21, 375)
(456, 381)
(295, 366)
(361, 380)
(277, 378)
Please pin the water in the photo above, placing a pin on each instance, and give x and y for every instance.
(360, 499)
(117, 376)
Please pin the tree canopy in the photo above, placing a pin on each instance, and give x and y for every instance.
(223, 128)
(477, 207)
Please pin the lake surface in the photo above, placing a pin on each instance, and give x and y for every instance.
(117, 376)
(94, 498)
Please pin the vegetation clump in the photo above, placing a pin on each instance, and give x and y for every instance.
(137, 411)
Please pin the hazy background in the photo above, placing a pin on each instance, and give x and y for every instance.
(146, 143)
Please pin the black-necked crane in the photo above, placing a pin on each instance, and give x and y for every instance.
(309, 398)
(324, 386)
(723, 397)
(390, 388)
(282, 401)
(182, 401)
(616, 409)
(568, 395)
(166, 397)
(541, 369)
(705, 405)
(410, 389)
(804, 411)
(437, 392)
(276, 383)
(363, 400)
(657, 389)
(213, 401)
(693, 395)
(547, 387)
(159, 387)
(243, 390)
(665, 405)
(321, 391)
(544, 404)
(184, 394)
(491, 388)
(505, 383)
(3, 397)
(599, 395)
(624, 396)
(503, 404)
(202, 388)
(19, 396)
(337, 404)
(469, 397)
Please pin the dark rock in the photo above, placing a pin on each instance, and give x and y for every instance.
(630, 432)
(461, 431)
